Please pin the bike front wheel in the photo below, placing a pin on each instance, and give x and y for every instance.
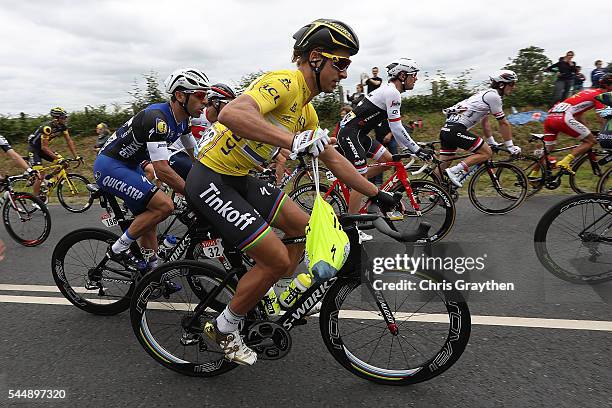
(432, 204)
(498, 188)
(78, 273)
(573, 239)
(73, 194)
(26, 219)
(305, 196)
(430, 332)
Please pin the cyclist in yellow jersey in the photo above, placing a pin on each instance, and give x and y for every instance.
(275, 112)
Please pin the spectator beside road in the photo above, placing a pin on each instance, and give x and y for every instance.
(103, 134)
(579, 79)
(355, 98)
(565, 69)
(597, 73)
(375, 81)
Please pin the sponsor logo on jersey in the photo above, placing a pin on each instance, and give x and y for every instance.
(286, 82)
(270, 90)
(396, 103)
(224, 208)
(161, 126)
(293, 107)
(123, 187)
(128, 151)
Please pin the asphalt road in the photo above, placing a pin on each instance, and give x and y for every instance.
(98, 362)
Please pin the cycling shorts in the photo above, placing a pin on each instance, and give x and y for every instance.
(564, 123)
(240, 208)
(181, 163)
(456, 135)
(356, 146)
(36, 156)
(124, 180)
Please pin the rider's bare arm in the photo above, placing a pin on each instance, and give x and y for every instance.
(165, 173)
(243, 117)
(505, 128)
(44, 146)
(345, 171)
(486, 127)
(70, 144)
(18, 159)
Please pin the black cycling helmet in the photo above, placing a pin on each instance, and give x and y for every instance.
(605, 80)
(222, 92)
(328, 34)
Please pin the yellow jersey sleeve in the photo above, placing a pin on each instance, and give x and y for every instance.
(272, 91)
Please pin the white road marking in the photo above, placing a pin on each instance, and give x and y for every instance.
(507, 321)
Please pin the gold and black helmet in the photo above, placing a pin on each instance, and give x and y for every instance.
(327, 34)
(58, 112)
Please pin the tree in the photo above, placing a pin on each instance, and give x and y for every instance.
(529, 64)
(151, 94)
(246, 80)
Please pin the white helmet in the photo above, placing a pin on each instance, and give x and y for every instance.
(402, 65)
(186, 78)
(504, 76)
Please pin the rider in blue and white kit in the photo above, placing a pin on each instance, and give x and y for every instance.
(146, 136)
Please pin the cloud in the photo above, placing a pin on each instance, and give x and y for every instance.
(89, 52)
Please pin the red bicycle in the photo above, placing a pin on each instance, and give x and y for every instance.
(422, 200)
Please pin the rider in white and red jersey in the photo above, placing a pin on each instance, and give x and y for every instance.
(566, 117)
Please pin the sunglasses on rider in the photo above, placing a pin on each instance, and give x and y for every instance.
(201, 95)
(338, 62)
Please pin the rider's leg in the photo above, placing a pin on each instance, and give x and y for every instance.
(575, 128)
(292, 221)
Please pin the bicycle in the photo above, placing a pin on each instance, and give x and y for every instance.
(573, 239)
(495, 187)
(94, 283)
(25, 217)
(72, 191)
(582, 178)
(299, 174)
(397, 342)
(422, 200)
(604, 185)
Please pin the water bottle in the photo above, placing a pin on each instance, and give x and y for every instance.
(166, 247)
(299, 285)
(270, 303)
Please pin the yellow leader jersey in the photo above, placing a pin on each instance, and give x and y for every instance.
(281, 96)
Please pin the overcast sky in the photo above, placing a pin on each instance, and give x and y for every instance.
(89, 52)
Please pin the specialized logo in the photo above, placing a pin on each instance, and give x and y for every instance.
(232, 215)
(161, 126)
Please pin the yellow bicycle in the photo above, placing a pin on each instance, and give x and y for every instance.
(72, 191)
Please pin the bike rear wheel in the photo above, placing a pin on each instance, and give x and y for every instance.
(573, 239)
(604, 186)
(163, 300)
(498, 188)
(433, 329)
(73, 265)
(26, 219)
(73, 194)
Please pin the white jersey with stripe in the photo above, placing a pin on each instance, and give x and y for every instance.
(472, 110)
(382, 103)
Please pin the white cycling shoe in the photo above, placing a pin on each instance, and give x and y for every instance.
(232, 345)
(456, 176)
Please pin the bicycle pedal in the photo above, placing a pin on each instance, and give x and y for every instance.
(92, 285)
(190, 339)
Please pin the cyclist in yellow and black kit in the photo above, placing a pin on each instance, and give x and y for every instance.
(39, 141)
(273, 113)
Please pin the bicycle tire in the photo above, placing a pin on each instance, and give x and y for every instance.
(604, 185)
(150, 288)
(26, 205)
(506, 176)
(304, 197)
(583, 259)
(430, 197)
(81, 191)
(585, 177)
(305, 177)
(334, 319)
(62, 250)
